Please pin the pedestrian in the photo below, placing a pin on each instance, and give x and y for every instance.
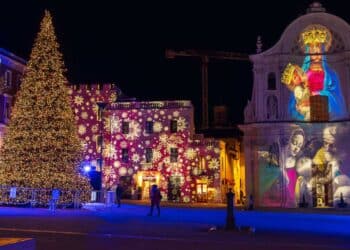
(251, 202)
(54, 199)
(156, 197)
(118, 194)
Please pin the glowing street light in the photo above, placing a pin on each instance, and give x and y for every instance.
(87, 168)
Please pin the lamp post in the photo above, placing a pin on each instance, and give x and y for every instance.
(101, 108)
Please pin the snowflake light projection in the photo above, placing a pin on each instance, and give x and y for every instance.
(190, 154)
(84, 100)
(173, 155)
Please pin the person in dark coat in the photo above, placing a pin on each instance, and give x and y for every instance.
(118, 194)
(155, 199)
(251, 203)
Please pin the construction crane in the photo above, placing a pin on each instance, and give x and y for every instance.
(204, 57)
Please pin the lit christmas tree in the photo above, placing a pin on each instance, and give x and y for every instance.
(41, 147)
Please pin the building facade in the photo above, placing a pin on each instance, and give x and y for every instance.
(137, 144)
(297, 123)
(11, 71)
(140, 143)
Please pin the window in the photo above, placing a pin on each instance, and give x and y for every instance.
(272, 107)
(99, 140)
(125, 127)
(149, 127)
(100, 109)
(202, 164)
(99, 113)
(173, 126)
(125, 155)
(8, 78)
(149, 155)
(99, 163)
(2, 105)
(173, 154)
(271, 81)
(7, 111)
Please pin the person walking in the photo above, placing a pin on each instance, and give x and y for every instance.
(251, 202)
(156, 197)
(118, 194)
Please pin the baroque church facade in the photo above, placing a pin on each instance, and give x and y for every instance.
(297, 127)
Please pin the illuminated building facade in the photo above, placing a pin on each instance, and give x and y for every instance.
(301, 96)
(11, 71)
(138, 143)
(232, 162)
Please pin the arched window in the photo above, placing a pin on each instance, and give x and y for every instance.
(271, 81)
(271, 107)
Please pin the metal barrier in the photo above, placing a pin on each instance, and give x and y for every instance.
(97, 196)
(102, 196)
(41, 197)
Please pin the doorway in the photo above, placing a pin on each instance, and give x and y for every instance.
(146, 187)
(145, 179)
(202, 190)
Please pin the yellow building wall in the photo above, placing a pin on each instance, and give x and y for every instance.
(232, 172)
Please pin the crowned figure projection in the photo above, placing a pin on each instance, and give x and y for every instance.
(314, 84)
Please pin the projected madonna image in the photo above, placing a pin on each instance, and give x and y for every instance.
(311, 169)
(315, 77)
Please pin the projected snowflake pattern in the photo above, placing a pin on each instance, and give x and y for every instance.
(161, 141)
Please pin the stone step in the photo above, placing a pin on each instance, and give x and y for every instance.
(17, 244)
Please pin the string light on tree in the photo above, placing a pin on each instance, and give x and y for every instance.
(41, 146)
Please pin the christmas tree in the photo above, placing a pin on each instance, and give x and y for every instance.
(41, 147)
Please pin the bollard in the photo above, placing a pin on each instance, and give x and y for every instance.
(230, 218)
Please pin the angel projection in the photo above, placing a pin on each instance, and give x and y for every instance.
(314, 83)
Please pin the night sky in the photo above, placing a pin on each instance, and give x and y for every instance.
(124, 43)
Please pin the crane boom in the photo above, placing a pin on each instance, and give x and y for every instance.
(204, 56)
